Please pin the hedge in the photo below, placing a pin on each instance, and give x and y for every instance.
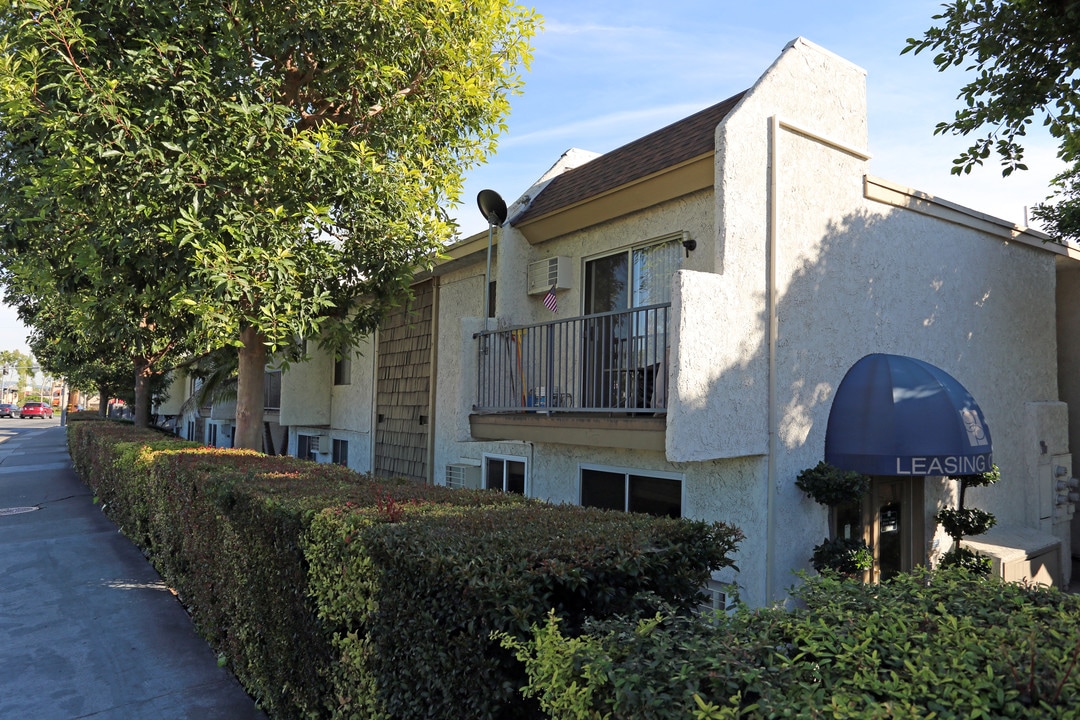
(415, 592)
(332, 594)
(943, 644)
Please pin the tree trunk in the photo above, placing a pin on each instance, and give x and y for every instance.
(142, 393)
(103, 401)
(250, 379)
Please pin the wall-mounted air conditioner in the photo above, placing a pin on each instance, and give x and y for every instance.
(463, 476)
(548, 273)
(319, 444)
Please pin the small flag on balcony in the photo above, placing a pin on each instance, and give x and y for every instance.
(550, 301)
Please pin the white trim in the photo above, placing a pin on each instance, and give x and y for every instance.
(484, 457)
(627, 472)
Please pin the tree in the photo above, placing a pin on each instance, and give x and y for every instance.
(69, 344)
(1025, 55)
(287, 161)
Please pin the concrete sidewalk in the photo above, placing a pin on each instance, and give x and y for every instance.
(87, 628)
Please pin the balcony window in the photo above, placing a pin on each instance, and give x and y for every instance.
(272, 390)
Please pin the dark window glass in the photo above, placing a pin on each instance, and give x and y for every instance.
(341, 452)
(343, 371)
(655, 496)
(494, 474)
(603, 489)
(515, 476)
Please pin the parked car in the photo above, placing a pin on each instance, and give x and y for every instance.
(36, 410)
(8, 410)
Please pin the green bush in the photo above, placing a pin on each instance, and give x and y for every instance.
(943, 644)
(414, 597)
(848, 556)
(831, 486)
(334, 595)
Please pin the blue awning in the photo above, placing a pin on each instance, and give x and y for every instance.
(895, 415)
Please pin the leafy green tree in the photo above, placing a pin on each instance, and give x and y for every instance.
(19, 364)
(283, 164)
(1024, 55)
(69, 345)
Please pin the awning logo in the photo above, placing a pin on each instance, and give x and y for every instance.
(975, 431)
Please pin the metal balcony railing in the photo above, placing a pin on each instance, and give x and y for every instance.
(612, 362)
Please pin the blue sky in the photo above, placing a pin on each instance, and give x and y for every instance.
(606, 72)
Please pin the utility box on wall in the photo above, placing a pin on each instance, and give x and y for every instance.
(1020, 553)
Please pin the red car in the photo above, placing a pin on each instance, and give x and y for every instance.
(36, 410)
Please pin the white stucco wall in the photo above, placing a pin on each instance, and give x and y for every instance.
(306, 388)
(179, 382)
(350, 405)
(853, 276)
(460, 306)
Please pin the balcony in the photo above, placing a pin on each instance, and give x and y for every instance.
(598, 380)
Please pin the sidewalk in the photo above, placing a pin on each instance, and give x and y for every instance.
(87, 628)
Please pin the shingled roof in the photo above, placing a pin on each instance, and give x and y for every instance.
(681, 141)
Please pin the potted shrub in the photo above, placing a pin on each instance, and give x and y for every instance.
(960, 522)
(835, 488)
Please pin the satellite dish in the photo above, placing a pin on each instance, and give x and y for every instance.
(492, 206)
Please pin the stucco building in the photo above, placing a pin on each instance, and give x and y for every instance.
(713, 283)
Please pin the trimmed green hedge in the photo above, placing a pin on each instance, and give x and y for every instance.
(946, 644)
(331, 594)
(415, 591)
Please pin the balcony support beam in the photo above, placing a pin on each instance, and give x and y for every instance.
(639, 433)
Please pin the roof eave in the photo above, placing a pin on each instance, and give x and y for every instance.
(672, 182)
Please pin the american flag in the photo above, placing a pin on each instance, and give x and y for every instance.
(550, 301)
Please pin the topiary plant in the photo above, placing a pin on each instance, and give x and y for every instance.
(831, 486)
(849, 557)
(964, 522)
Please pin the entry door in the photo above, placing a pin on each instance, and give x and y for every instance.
(895, 525)
(890, 520)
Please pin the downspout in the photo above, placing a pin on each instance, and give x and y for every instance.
(772, 332)
(372, 443)
(775, 126)
(433, 378)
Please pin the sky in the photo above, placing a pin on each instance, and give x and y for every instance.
(606, 72)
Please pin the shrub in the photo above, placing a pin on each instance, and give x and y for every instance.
(944, 644)
(335, 595)
(848, 556)
(831, 486)
(413, 603)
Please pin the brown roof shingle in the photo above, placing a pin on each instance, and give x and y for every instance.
(682, 140)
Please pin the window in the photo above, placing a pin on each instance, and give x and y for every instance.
(631, 278)
(211, 435)
(343, 371)
(626, 348)
(658, 494)
(272, 391)
(305, 448)
(506, 473)
(340, 455)
(191, 430)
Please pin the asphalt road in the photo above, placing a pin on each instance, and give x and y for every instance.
(87, 628)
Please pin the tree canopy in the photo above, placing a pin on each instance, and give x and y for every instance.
(270, 169)
(1024, 56)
